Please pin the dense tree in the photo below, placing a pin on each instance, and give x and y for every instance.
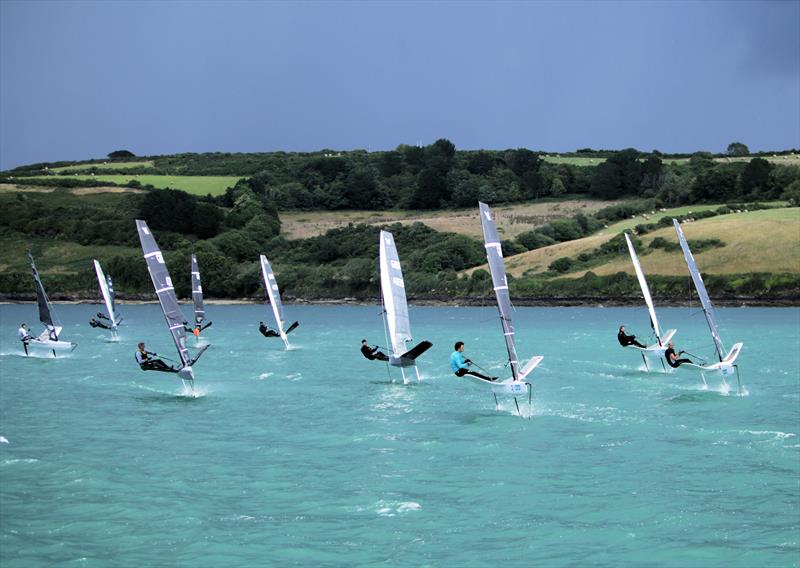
(755, 179)
(738, 149)
(121, 154)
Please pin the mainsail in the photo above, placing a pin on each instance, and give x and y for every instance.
(197, 293)
(46, 315)
(494, 254)
(708, 308)
(271, 286)
(107, 289)
(394, 295)
(164, 290)
(645, 289)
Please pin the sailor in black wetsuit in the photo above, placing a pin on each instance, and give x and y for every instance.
(147, 363)
(101, 315)
(266, 331)
(94, 323)
(626, 340)
(672, 357)
(372, 353)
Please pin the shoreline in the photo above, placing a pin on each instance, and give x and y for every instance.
(554, 302)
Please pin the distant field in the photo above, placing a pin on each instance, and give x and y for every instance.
(757, 241)
(198, 185)
(511, 219)
(107, 166)
(787, 160)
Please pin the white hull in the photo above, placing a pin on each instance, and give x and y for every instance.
(51, 345)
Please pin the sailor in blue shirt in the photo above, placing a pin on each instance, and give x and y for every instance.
(460, 365)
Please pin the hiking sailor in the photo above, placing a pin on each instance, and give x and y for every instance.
(372, 353)
(147, 363)
(460, 365)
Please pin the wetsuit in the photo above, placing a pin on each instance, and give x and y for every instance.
(677, 363)
(148, 364)
(94, 323)
(626, 340)
(267, 332)
(373, 353)
(459, 366)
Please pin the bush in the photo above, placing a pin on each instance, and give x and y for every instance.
(561, 265)
(532, 240)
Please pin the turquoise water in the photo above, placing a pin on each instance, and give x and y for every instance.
(311, 457)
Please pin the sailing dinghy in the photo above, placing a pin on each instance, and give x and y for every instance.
(395, 308)
(197, 299)
(107, 290)
(49, 338)
(516, 385)
(727, 361)
(274, 296)
(165, 292)
(662, 340)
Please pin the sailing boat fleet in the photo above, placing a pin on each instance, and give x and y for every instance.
(395, 314)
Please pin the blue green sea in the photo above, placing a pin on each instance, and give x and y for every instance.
(314, 457)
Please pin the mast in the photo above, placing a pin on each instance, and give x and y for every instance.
(274, 295)
(708, 307)
(197, 293)
(394, 294)
(494, 255)
(45, 307)
(165, 291)
(107, 290)
(645, 288)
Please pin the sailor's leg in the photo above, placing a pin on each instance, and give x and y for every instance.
(54, 353)
(25, 346)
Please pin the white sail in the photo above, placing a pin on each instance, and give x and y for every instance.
(394, 295)
(107, 294)
(274, 294)
(645, 289)
(197, 294)
(708, 307)
(494, 255)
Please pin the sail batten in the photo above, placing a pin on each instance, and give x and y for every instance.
(494, 255)
(394, 295)
(699, 285)
(273, 293)
(197, 293)
(107, 290)
(165, 291)
(648, 299)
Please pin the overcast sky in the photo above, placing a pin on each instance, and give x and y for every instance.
(80, 79)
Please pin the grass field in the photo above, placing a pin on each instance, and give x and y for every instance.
(107, 166)
(511, 219)
(787, 160)
(756, 241)
(198, 185)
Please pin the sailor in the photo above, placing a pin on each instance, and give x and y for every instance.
(147, 363)
(101, 315)
(460, 365)
(672, 357)
(626, 340)
(52, 333)
(266, 331)
(196, 331)
(24, 334)
(94, 323)
(372, 353)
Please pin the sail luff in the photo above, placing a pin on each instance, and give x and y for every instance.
(165, 291)
(271, 286)
(494, 255)
(394, 294)
(107, 293)
(645, 288)
(197, 293)
(699, 285)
